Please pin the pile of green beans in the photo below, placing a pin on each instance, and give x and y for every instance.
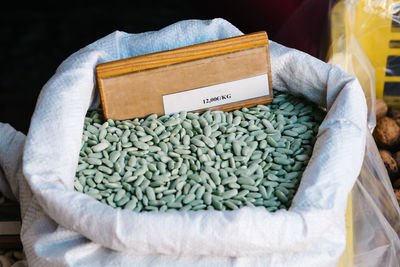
(190, 161)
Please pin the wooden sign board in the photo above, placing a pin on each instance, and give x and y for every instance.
(224, 74)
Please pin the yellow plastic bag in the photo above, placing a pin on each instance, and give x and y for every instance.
(365, 42)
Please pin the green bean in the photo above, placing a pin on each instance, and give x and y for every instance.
(190, 161)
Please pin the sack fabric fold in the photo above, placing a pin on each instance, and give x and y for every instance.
(62, 227)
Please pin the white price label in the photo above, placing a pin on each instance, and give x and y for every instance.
(217, 95)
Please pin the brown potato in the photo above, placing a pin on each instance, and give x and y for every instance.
(386, 133)
(394, 114)
(397, 193)
(381, 108)
(390, 163)
(396, 157)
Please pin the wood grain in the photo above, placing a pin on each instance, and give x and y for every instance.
(133, 88)
(181, 54)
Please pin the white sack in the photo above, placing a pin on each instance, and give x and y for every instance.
(62, 227)
(12, 182)
(11, 147)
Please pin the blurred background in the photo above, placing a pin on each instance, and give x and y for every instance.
(36, 38)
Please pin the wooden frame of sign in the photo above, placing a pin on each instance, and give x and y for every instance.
(139, 86)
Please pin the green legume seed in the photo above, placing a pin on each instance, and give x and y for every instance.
(236, 121)
(302, 157)
(270, 183)
(140, 171)
(254, 195)
(282, 161)
(272, 177)
(229, 180)
(120, 194)
(245, 181)
(208, 141)
(230, 205)
(100, 147)
(288, 185)
(94, 195)
(290, 133)
(199, 207)
(242, 193)
(250, 187)
(245, 151)
(82, 167)
(197, 142)
(171, 122)
(281, 196)
(207, 130)
(89, 172)
(207, 198)
(229, 194)
(144, 184)
(200, 192)
(78, 186)
(141, 145)
(217, 204)
(189, 198)
(105, 169)
(139, 180)
(219, 149)
(131, 204)
(112, 185)
(150, 193)
(263, 192)
(114, 156)
(114, 178)
(291, 175)
(226, 156)
(297, 166)
(215, 160)
(215, 177)
(271, 203)
(284, 190)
